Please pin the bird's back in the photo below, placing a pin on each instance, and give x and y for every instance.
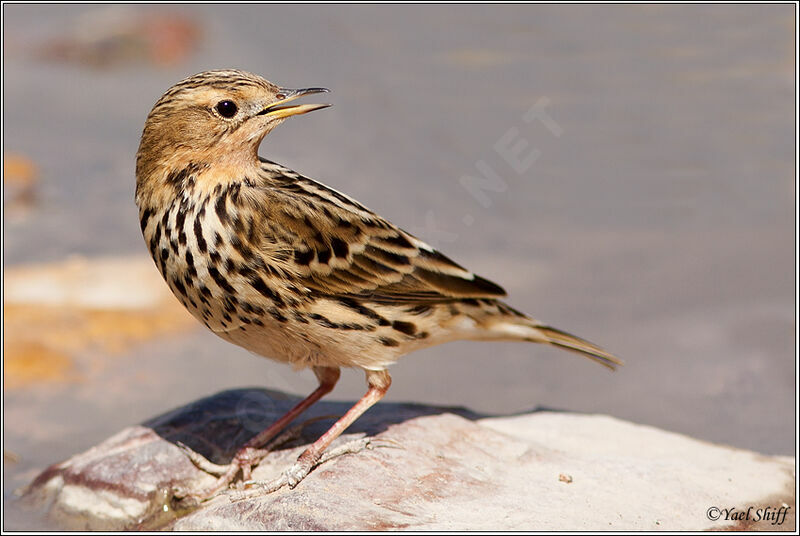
(296, 271)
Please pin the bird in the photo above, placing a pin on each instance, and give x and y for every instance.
(294, 270)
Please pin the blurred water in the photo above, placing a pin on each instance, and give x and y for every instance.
(656, 216)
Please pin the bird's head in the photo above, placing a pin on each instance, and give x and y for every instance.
(217, 117)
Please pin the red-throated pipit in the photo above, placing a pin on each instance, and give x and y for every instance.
(291, 269)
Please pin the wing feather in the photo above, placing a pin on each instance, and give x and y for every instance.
(344, 250)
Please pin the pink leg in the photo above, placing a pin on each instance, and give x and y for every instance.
(327, 376)
(249, 454)
(379, 382)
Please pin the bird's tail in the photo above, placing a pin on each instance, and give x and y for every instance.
(518, 327)
(562, 339)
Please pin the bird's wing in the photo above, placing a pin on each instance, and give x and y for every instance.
(341, 248)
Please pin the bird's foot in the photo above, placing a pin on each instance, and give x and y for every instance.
(304, 465)
(243, 461)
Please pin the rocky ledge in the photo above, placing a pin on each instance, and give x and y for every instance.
(425, 468)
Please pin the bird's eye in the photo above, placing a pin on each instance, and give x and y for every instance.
(227, 108)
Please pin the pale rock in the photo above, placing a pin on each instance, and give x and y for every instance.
(427, 469)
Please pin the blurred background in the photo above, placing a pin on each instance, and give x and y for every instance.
(626, 173)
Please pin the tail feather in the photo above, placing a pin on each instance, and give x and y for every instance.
(565, 340)
(526, 329)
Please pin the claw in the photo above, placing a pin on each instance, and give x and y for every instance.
(378, 442)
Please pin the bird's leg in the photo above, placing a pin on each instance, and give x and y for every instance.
(379, 382)
(252, 453)
(249, 455)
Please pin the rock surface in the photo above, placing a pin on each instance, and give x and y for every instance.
(429, 469)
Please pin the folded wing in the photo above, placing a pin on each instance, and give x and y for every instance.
(341, 248)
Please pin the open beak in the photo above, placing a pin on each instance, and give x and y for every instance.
(279, 109)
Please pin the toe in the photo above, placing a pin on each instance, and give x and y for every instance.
(203, 463)
(296, 473)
